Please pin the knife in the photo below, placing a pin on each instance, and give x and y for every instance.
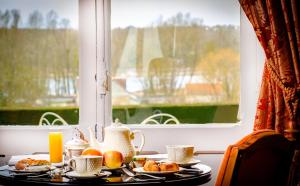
(131, 174)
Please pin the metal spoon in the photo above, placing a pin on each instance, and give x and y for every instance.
(129, 173)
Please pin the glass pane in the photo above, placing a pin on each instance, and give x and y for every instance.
(39, 47)
(179, 57)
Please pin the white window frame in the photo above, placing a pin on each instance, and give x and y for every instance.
(95, 99)
(28, 139)
(208, 137)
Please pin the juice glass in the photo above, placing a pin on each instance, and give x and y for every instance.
(56, 147)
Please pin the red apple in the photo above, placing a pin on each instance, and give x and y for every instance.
(113, 159)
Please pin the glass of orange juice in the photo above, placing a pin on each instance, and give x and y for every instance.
(56, 148)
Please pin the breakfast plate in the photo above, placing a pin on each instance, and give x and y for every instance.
(33, 169)
(188, 164)
(75, 175)
(141, 170)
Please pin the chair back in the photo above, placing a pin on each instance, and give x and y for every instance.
(44, 120)
(261, 158)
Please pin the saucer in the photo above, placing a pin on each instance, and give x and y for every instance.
(188, 164)
(102, 174)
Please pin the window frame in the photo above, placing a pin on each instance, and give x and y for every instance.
(95, 98)
(251, 57)
(10, 144)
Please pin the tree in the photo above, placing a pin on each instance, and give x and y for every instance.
(222, 66)
(4, 19)
(179, 41)
(51, 19)
(64, 23)
(33, 62)
(16, 18)
(35, 19)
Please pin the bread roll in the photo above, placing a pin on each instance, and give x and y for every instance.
(169, 167)
(151, 165)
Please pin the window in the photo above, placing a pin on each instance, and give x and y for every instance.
(177, 57)
(210, 136)
(95, 108)
(39, 60)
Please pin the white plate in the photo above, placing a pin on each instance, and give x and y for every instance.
(112, 169)
(141, 170)
(33, 169)
(189, 164)
(102, 174)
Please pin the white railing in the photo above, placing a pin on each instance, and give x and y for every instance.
(45, 121)
(158, 119)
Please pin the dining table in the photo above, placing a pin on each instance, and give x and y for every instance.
(120, 176)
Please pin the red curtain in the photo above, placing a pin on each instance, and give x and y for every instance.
(276, 23)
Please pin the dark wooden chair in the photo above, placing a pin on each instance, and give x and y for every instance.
(261, 158)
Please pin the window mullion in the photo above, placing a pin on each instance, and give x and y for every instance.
(103, 78)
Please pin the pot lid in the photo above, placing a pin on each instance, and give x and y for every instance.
(76, 140)
(117, 126)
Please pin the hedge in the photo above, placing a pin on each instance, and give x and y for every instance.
(128, 114)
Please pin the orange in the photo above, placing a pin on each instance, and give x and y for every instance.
(92, 152)
(113, 159)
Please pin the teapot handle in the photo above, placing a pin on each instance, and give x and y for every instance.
(143, 139)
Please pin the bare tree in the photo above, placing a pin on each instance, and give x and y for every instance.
(51, 19)
(35, 19)
(64, 23)
(16, 18)
(4, 19)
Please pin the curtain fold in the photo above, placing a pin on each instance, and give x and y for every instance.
(276, 24)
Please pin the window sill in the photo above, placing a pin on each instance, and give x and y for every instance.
(187, 126)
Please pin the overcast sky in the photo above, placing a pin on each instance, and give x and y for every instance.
(135, 12)
(65, 8)
(145, 12)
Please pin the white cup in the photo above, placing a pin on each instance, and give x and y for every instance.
(86, 164)
(180, 153)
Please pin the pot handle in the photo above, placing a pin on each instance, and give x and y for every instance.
(142, 137)
(72, 164)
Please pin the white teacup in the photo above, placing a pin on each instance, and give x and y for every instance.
(180, 153)
(86, 164)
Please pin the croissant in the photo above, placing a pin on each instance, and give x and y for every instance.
(24, 163)
(151, 165)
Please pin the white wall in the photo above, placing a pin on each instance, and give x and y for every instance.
(26, 140)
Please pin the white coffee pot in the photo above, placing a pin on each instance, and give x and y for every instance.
(118, 137)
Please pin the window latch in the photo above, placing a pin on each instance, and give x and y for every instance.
(104, 84)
